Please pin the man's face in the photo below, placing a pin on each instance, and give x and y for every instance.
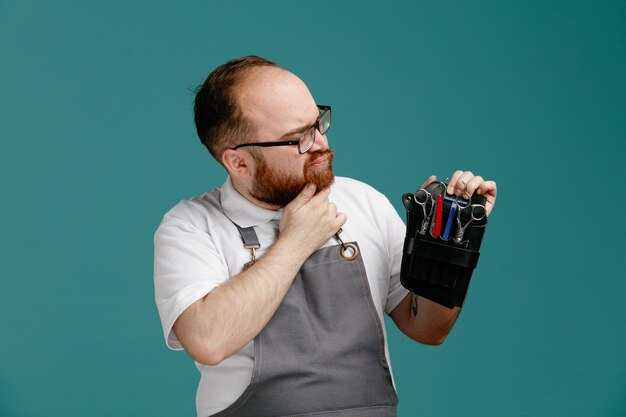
(281, 107)
(279, 187)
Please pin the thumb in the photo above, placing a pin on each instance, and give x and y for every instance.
(305, 195)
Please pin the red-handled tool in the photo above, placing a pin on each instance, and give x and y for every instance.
(438, 216)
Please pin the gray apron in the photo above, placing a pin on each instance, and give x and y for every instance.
(323, 351)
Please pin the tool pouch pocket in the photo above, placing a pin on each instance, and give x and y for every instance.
(435, 265)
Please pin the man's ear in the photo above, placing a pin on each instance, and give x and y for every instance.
(237, 163)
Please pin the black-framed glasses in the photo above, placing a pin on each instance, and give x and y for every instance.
(306, 141)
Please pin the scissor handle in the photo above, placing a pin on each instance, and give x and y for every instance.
(477, 213)
(422, 197)
(482, 212)
(422, 192)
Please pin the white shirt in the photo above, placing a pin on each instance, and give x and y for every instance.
(197, 248)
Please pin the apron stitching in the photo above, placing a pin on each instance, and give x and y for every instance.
(392, 396)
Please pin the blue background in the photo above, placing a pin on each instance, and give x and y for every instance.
(98, 143)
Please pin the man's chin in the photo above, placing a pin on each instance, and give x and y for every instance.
(322, 180)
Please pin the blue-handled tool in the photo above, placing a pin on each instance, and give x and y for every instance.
(455, 199)
(446, 232)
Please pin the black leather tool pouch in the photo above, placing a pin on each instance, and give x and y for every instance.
(435, 265)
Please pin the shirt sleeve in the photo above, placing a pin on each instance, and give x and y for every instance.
(396, 231)
(187, 266)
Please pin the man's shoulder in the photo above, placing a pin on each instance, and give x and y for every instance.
(196, 209)
(355, 195)
(356, 188)
(347, 182)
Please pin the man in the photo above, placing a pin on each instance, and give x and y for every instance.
(276, 282)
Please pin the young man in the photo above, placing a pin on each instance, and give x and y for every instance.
(276, 282)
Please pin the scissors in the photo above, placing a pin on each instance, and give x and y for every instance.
(422, 197)
(478, 212)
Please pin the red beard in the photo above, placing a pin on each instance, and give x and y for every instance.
(278, 189)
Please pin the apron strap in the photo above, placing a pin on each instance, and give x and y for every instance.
(248, 235)
(250, 239)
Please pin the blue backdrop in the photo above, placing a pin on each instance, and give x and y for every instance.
(98, 143)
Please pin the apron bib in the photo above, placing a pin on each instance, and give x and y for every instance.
(323, 351)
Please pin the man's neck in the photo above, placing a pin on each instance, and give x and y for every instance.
(243, 190)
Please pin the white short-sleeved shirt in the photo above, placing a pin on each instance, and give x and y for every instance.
(197, 248)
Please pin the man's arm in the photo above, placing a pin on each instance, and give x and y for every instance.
(225, 320)
(430, 326)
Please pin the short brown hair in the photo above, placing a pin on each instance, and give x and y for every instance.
(219, 120)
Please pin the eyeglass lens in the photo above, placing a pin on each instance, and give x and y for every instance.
(308, 139)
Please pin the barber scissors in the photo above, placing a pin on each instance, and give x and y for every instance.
(423, 197)
(477, 213)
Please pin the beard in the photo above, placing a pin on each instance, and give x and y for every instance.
(279, 189)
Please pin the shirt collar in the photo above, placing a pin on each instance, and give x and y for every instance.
(242, 211)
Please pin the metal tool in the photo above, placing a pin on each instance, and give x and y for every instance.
(446, 232)
(438, 216)
(453, 199)
(478, 212)
(432, 223)
(423, 197)
(461, 201)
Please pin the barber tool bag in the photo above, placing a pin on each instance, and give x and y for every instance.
(439, 268)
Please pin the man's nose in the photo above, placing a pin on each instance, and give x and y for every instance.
(321, 142)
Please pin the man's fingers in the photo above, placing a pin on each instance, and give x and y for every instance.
(321, 195)
(473, 184)
(488, 188)
(453, 180)
(467, 181)
(463, 182)
(341, 220)
(305, 195)
(332, 209)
